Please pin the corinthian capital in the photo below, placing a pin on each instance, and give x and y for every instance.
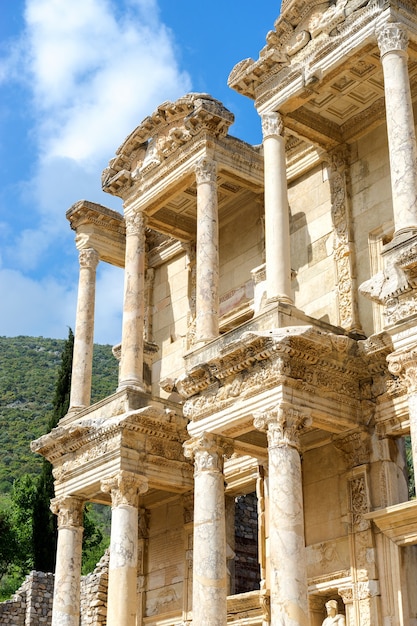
(206, 171)
(69, 510)
(272, 125)
(283, 425)
(125, 488)
(403, 364)
(88, 258)
(392, 37)
(135, 223)
(208, 451)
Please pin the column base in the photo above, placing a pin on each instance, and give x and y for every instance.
(132, 384)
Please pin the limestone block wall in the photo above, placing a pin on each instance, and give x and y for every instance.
(165, 563)
(94, 594)
(241, 249)
(31, 605)
(170, 316)
(312, 245)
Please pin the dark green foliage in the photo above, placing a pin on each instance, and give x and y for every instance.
(410, 468)
(28, 374)
(43, 521)
(35, 378)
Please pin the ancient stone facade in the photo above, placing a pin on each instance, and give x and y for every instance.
(268, 344)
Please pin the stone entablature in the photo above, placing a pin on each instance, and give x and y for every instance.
(123, 433)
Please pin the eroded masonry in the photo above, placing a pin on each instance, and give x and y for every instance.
(268, 355)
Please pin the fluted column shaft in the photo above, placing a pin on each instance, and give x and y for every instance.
(209, 546)
(131, 360)
(288, 568)
(393, 42)
(207, 277)
(124, 489)
(66, 601)
(82, 362)
(277, 224)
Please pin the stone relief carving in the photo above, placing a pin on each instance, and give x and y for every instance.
(359, 502)
(88, 258)
(125, 488)
(391, 37)
(135, 225)
(283, 425)
(272, 125)
(208, 451)
(69, 510)
(343, 248)
(206, 171)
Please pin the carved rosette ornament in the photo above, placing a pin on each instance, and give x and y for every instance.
(135, 224)
(88, 258)
(272, 125)
(206, 171)
(208, 451)
(283, 425)
(392, 37)
(69, 510)
(125, 488)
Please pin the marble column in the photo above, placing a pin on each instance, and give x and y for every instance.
(66, 601)
(403, 363)
(288, 567)
(207, 288)
(125, 489)
(209, 546)
(131, 359)
(82, 363)
(277, 222)
(393, 41)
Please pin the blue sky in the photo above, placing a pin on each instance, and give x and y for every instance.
(76, 76)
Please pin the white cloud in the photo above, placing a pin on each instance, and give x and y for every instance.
(37, 308)
(95, 74)
(92, 70)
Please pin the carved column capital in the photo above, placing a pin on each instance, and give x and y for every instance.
(69, 510)
(283, 425)
(88, 258)
(135, 223)
(125, 488)
(392, 37)
(272, 125)
(206, 171)
(208, 451)
(403, 364)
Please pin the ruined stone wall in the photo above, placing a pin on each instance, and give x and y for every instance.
(31, 605)
(94, 594)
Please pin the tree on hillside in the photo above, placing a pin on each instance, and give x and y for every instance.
(44, 522)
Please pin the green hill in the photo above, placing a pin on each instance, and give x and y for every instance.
(28, 372)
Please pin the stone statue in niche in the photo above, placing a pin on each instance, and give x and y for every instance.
(333, 616)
